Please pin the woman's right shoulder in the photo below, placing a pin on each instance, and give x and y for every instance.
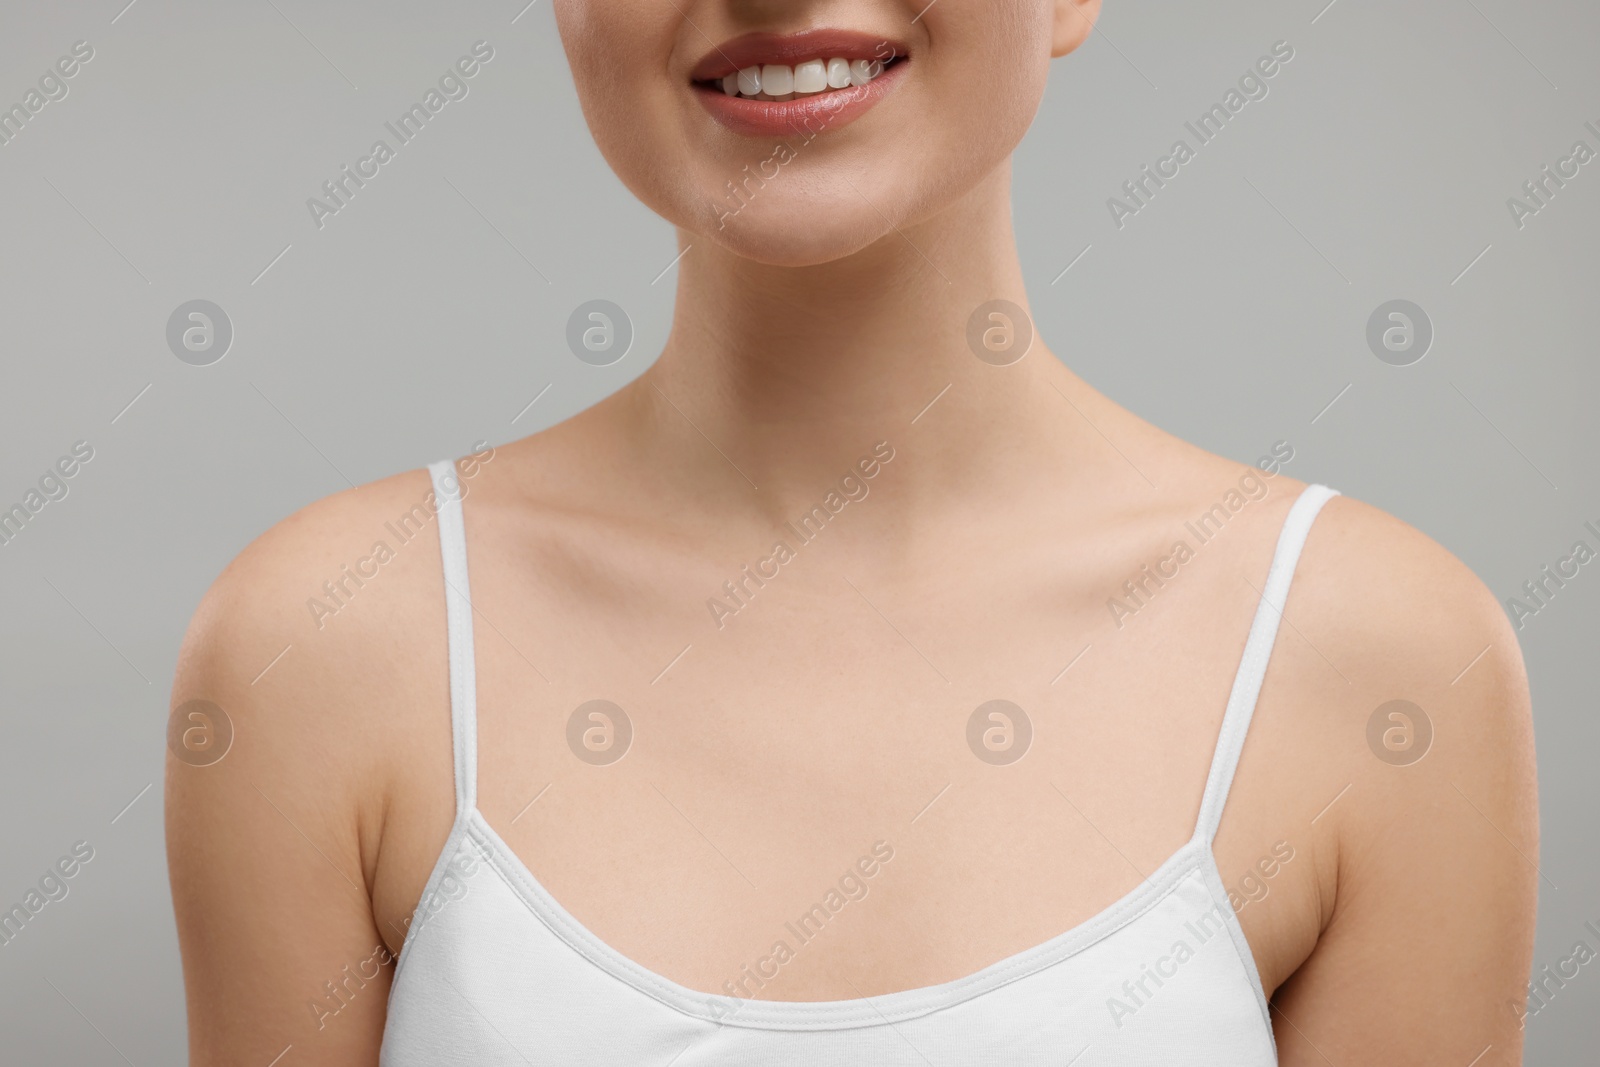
(331, 621)
(293, 581)
(310, 700)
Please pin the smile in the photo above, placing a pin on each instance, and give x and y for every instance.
(763, 84)
(777, 81)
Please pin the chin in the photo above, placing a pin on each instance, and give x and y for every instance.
(796, 232)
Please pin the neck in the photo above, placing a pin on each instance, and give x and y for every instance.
(793, 371)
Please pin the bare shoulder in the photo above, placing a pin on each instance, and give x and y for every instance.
(301, 586)
(320, 651)
(1414, 670)
(1400, 693)
(1396, 611)
(1377, 610)
(310, 705)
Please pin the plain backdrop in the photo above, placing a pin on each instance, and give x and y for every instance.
(432, 310)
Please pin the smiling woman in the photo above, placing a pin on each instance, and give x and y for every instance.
(1064, 837)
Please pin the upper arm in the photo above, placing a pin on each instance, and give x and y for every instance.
(1427, 938)
(270, 847)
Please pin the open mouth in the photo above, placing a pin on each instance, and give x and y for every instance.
(764, 83)
(779, 81)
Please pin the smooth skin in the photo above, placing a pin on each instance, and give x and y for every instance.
(830, 711)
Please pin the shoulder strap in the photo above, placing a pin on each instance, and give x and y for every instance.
(1257, 653)
(458, 619)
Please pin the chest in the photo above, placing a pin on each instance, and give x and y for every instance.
(952, 774)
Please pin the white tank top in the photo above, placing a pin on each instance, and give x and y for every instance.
(495, 971)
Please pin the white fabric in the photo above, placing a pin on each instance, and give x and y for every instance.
(495, 971)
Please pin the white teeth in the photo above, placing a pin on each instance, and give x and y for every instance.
(864, 70)
(811, 76)
(775, 81)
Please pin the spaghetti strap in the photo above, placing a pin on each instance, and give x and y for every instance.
(458, 619)
(1257, 653)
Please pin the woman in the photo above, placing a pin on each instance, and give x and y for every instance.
(858, 685)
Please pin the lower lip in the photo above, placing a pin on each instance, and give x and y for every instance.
(802, 115)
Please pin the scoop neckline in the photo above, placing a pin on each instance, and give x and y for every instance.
(855, 1012)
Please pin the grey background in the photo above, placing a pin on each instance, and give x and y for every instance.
(1232, 311)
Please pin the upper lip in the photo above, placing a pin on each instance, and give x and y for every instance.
(757, 49)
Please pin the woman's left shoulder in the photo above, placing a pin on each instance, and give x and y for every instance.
(1396, 606)
(1419, 675)
(1403, 703)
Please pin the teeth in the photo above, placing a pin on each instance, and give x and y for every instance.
(811, 76)
(775, 81)
(864, 70)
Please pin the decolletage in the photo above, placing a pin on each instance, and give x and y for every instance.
(495, 971)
